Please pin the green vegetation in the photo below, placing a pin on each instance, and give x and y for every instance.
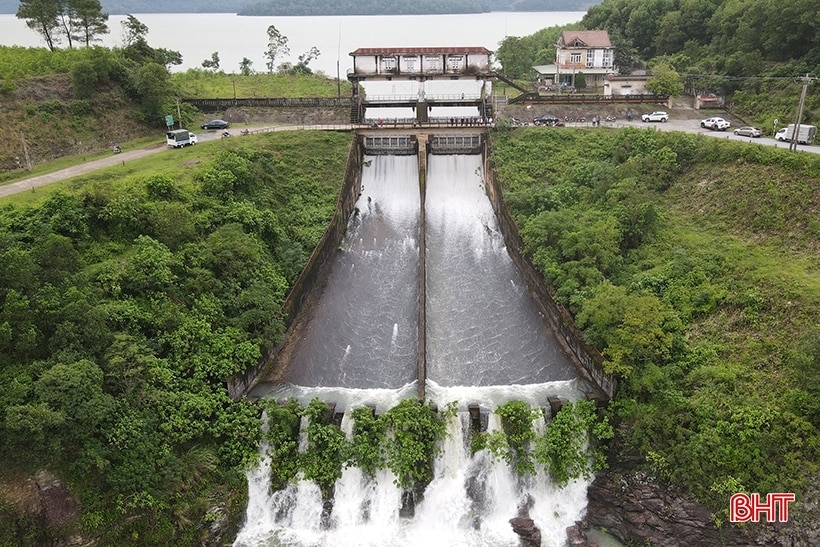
(568, 449)
(751, 52)
(127, 299)
(405, 439)
(514, 442)
(82, 101)
(129, 295)
(692, 265)
(415, 430)
(202, 84)
(325, 455)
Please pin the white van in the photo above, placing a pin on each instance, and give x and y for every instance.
(805, 135)
(179, 138)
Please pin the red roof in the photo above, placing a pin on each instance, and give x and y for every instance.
(590, 38)
(418, 50)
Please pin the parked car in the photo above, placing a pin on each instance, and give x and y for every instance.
(547, 119)
(715, 123)
(657, 116)
(747, 131)
(215, 124)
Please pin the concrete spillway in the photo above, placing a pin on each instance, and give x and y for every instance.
(423, 290)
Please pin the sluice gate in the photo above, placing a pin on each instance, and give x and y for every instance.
(400, 145)
(455, 144)
(394, 145)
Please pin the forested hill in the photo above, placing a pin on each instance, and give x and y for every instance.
(328, 7)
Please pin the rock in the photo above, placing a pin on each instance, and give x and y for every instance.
(639, 510)
(55, 503)
(576, 537)
(527, 530)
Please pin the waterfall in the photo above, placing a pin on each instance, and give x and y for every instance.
(487, 345)
(468, 503)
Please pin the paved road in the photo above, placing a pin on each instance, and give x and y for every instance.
(690, 125)
(114, 159)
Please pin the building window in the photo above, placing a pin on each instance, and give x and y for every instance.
(455, 61)
(575, 58)
(590, 58)
(607, 58)
(410, 63)
(432, 62)
(389, 63)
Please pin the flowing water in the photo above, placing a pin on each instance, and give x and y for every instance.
(487, 345)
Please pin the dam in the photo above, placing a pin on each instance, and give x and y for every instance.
(422, 299)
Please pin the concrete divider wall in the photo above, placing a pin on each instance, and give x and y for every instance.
(588, 359)
(317, 267)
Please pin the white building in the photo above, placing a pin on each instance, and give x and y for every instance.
(587, 51)
(428, 62)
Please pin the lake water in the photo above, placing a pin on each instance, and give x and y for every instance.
(196, 36)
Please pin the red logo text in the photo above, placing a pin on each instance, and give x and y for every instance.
(749, 507)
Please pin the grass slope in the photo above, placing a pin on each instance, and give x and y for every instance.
(693, 265)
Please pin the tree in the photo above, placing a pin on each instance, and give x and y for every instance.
(245, 67)
(515, 60)
(43, 17)
(212, 63)
(277, 46)
(151, 84)
(88, 20)
(625, 56)
(133, 31)
(665, 81)
(631, 329)
(305, 58)
(580, 80)
(65, 21)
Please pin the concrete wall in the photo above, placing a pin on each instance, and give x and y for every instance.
(586, 358)
(316, 268)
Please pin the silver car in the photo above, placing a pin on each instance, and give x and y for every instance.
(747, 131)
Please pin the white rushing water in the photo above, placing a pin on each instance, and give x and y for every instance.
(363, 332)
(469, 502)
(487, 346)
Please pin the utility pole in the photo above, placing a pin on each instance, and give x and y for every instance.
(793, 142)
(179, 114)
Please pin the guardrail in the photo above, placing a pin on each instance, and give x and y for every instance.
(281, 102)
(577, 98)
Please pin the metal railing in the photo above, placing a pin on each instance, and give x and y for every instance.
(430, 98)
